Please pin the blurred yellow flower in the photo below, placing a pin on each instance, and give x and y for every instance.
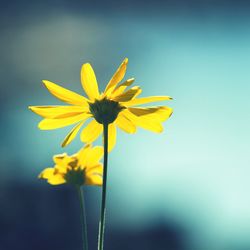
(115, 106)
(82, 168)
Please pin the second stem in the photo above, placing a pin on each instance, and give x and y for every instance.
(83, 218)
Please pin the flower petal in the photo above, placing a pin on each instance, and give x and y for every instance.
(89, 83)
(111, 136)
(60, 159)
(58, 111)
(91, 132)
(72, 134)
(144, 122)
(47, 124)
(56, 180)
(82, 155)
(93, 180)
(65, 95)
(125, 124)
(119, 89)
(96, 169)
(52, 178)
(160, 114)
(47, 173)
(117, 77)
(62, 168)
(144, 100)
(94, 156)
(128, 95)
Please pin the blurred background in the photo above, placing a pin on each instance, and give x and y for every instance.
(185, 189)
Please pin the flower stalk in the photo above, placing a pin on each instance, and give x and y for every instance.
(104, 188)
(83, 218)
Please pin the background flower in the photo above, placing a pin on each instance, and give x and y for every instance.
(82, 168)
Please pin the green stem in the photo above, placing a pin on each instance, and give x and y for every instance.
(104, 188)
(83, 219)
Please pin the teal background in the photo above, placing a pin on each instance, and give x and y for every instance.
(194, 176)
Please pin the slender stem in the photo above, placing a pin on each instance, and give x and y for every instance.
(83, 219)
(104, 188)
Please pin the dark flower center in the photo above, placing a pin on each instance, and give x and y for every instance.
(105, 111)
(75, 177)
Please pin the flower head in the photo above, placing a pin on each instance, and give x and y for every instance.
(116, 107)
(82, 168)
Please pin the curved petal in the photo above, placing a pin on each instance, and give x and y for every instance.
(58, 159)
(120, 89)
(117, 77)
(65, 95)
(128, 95)
(56, 180)
(96, 169)
(72, 134)
(91, 132)
(89, 83)
(144, 122)
(94, 156)
(93, 180)
(111, 136)
(47, 124)
(58, 111)
(160, 114)
(62, 168)
(46, 173)
(125, 124)
(144, 100)
(82, 155)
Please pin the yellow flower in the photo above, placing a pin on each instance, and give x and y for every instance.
(82, 168)
(115, 106)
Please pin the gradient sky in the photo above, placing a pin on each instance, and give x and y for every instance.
(197, 172)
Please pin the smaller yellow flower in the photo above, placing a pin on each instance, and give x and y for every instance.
(82, 168)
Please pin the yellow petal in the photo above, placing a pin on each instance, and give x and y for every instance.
(56, 180)
(128, 95)
(93, 180)
(61, 169)
(58, 159)
(117, 77)
(47, 124)
(89, 82)
(58, 111)
(91, 132)
(125, 124)
(144, 122)
(144, 100)
(111, 136)
(96, 169)
(120, 89)
(82, 155)
(47, 173)
(160, 114)
(72, 134)
(94, 156)
(65, 95)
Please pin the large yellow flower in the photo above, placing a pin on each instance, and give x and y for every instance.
(82, 168)
(115, 107)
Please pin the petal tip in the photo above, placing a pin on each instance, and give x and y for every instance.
(45, 82)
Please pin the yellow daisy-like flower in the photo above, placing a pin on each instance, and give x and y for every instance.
(82, 168)
(116, 106)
